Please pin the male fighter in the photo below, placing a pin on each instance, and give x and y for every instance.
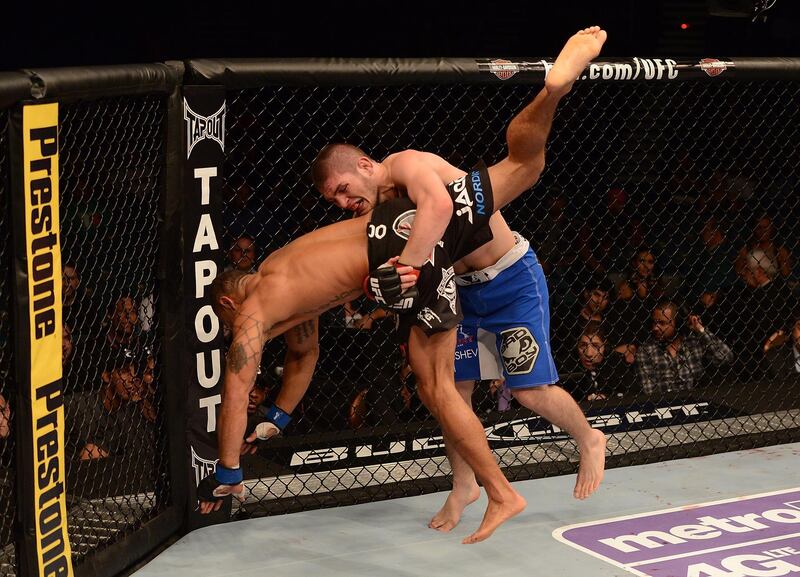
(502, 286)
(326, 268)
(274, 300)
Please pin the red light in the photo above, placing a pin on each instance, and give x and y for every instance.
(684, 26)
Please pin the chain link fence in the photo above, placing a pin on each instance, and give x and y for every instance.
(7, 389)
(112, 159)
(665, 208)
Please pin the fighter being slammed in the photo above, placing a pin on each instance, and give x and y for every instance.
(325, 268)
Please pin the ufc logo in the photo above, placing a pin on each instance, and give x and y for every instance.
(404, 304)
(375, 286)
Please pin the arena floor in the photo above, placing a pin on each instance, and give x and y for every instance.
(555, 536)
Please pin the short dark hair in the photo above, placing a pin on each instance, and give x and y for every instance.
(337, 155)
(224, 285)
(593, 328)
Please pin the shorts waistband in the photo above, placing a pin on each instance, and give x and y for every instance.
(521, 246)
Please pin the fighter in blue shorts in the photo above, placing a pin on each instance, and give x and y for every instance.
(502, 288)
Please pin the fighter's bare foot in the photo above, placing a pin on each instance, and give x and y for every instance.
(579, 50)
(593, 459)
(497, 513)
(450, 513)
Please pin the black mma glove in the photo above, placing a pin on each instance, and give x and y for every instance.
(220, 484)
(384, 287)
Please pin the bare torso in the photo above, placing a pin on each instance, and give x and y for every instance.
(308, 276)
(488, 254)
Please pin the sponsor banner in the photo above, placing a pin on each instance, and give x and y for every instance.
(746, 536)
(400, 445)
(204, 143)
(44, 317)
(626, 69)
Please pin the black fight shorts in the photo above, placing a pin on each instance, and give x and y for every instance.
(438, 308)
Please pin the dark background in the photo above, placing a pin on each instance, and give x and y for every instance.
(73, 33)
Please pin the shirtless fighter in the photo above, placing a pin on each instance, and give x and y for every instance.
(324, 269)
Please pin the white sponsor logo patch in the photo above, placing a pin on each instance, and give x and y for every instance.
(447, 287)
(427, 316)
(402, 228)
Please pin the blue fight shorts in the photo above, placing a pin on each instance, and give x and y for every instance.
(506, 328)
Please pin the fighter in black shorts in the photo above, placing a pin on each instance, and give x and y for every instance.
(324, 269)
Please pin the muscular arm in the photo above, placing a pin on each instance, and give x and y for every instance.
(302, 352)
(250, 332)
(434, 205)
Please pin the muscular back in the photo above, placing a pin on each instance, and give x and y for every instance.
(489, 253)
(314, 273)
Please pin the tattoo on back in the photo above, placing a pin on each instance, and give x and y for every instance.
(343, 297)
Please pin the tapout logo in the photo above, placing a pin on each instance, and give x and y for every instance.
(199, 127)
(206, 323)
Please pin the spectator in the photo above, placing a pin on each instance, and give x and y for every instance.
(607, 236)
(122, 335)
(710, 273)
(117, 421)
(67, 347)
(774, 258)
(641, 282)
(783, 355)
(674, 359)
(408, 406)
(500, 391)
(354, 319)
(5, 418)
(71, 282)
(556, 238)
(597, 371)
(242, 253)
(257, 396)
(592, 305)
(756, 311)
(637, 294)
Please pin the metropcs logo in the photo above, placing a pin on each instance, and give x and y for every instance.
(200, 127)
(707, 527)
(750, 536)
